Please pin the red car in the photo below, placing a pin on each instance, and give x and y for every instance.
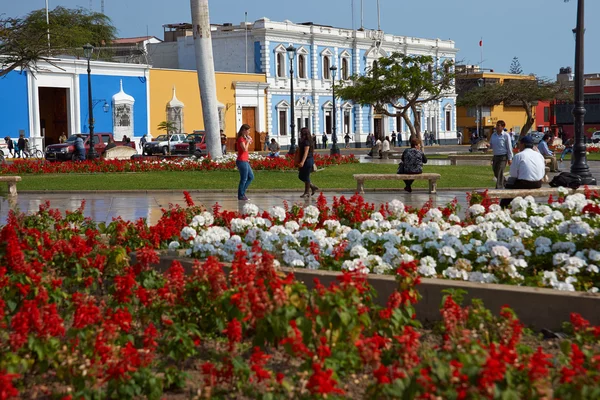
(198, 139)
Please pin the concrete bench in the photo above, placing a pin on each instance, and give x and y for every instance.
(542, 192)
(455, 158)
(361, 178)
(12, 183)
(119, 153)
(391, 154)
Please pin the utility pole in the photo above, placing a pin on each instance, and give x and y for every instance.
(206, 75)
(48, 26)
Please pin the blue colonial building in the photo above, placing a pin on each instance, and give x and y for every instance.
(260, 47)
(53, 100)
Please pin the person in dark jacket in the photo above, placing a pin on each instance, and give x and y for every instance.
(413, 160)
(22, 147)
(305, 166)
(10, 147)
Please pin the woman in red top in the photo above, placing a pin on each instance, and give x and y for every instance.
(246, 175)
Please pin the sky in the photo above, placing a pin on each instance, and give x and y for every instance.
(538, 32)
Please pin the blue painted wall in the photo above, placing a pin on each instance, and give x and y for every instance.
(257, 58)
(105, 87)
(14, 105)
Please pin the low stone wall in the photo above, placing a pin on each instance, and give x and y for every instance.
(536, 307)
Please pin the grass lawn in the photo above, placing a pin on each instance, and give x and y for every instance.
(338, 177)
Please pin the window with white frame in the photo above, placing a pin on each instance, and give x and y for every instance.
(345, 65)
(448, 117)
(346, 121)
(326, 57)
(282, 117)
(281, 65)
(302, 66)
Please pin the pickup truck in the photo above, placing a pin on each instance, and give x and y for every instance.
(66, 151)
(199, 142)
(160, 145)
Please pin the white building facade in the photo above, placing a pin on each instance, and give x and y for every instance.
(261, 48)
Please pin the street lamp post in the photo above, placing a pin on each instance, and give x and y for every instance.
(334, 148)
(579, 164)
(88, 49)
(291, 51)
(477, 112)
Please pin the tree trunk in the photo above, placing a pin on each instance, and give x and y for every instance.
(7, 70)
(530, 120)
(206, 75)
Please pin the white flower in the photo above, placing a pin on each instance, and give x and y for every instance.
(476, 209)
(594, 255)
(376, 216)
(500, 251)
(173, 245)
(250, 209)
(593, 290)
(593, 268)
(563, 191)
(188, 233)
(477, 276)
(453, 273)
(359, 251)
(396, 207)
(292, 226)
(278, 213)
(427, 266)
(448, 252)
(559, 259)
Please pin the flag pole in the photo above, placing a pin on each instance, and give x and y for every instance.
(481, 51)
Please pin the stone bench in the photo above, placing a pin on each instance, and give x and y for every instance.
(361, 178)
(119, 153)
(12, 183)
(391, 154)
(455, 158)
(542, 192)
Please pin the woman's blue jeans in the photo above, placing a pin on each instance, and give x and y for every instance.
(568, 150)
(246, 177)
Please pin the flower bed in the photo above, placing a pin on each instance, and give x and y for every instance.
(590, 148)
(545, 245)
(226, 163)
(77, 320)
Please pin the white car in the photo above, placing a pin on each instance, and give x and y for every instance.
(595, 137)
(161, 144)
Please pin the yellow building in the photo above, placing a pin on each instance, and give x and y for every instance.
(175, 96)
(466, 117)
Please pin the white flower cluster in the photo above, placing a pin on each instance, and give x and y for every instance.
(499, 246)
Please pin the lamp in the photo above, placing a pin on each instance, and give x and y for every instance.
(579, 164)
(88, 50)
(106, 107)
(334, 148)
(291, 51)
(239, 110)
(478, 111)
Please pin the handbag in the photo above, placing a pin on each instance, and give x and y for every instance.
(400, 168)
(297, 157)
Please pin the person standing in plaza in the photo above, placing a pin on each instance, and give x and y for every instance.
(368, 140)
(314, 139)
(143, 141)
(10, 147)
(347, 140)
(62, 138)
(501, 146)
(306, 163)
(79, 148)
(385, 146)
(393, 139)
(22, 147)
(324, 138)
(267, 142)
(243, 161)
(223, 142)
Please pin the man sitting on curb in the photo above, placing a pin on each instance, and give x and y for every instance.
(527, 169)
(547, 153)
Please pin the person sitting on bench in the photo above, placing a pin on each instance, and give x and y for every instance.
(547, 153)
(527, 169)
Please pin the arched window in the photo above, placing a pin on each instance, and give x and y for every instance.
(345, 71)
(281, 65)
(302, 66)
(326, 66)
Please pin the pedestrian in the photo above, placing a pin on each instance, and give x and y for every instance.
(143, 141)
(314, 139)
(459, 137)
(544, 149)
(394, 139)
(274, 148)
(62, 138)
(10, 146)
(223, 142)
(267, 143)
(368, 141)
(111, 144)
(307, 161)
(347, 140)
(567, 150)
(502, 149)
(413, 159)
(425, 138)
(79, 148)
(22, 147)
(377, 148)
(244, 141)
(527, 169)
(324, 139)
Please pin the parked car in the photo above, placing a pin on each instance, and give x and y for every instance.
(160, 145)
(198, 138)
(596, 137)
(66, 151)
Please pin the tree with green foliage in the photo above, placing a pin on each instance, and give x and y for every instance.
(402, 82)
(24, 41)
(524, 93)
(170, 127)
(515, 67)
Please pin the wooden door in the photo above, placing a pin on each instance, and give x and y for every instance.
(249, 117)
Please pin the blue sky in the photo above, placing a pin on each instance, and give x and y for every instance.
(536, 31)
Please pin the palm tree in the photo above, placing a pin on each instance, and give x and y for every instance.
(170, 127)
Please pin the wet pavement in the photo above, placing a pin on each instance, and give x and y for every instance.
(104, 206)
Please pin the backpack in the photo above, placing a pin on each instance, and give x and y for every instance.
(566, 179)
